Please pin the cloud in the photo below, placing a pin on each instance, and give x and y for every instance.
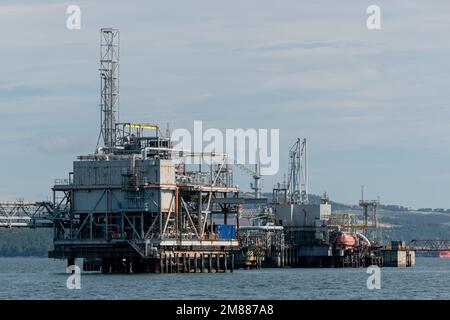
(21, 91)
(14, 11)
(310, 68)
(63, 146)
(322, 80)
(283, 46)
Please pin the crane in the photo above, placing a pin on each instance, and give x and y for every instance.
(255, 173)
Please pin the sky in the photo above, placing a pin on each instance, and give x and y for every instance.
(373, 104)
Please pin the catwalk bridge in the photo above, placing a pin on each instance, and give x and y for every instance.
(24, 214)
(430, 245)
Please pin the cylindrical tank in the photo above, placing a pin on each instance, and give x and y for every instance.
(347, 240)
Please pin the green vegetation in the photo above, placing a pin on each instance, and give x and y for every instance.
(25, 242)
(409, 226)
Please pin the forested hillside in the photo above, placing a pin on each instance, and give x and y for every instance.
(25, 242)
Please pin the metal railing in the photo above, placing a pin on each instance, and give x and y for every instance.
(63, 182)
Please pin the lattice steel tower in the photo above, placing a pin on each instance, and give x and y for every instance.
(109, 88)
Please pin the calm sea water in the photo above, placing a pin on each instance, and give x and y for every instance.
(42, 278)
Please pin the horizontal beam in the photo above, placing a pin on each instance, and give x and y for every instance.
(199, 243)
(240, 200)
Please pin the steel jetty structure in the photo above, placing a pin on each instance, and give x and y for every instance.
(291, 231)
(135, 205)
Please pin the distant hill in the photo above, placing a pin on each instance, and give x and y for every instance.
(418, 225)
(25, 242)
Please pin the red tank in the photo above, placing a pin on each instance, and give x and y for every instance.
(346, 240)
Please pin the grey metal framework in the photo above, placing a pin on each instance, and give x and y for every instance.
(26, 214)
(255, 173)
(430, 245)
(262, 242)
(134, 209)
(298, 173)
(370, 208)
(134, 204)
(109, 85)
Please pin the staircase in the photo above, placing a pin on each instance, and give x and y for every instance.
(139, 246)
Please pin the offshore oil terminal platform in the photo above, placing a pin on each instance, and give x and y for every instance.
(135, 206)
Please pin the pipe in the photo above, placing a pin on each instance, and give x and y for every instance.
(363, 237)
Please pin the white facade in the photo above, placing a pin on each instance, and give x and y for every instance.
(300, 215)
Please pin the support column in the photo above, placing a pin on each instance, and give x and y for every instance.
(225, 267)
(202, 262)
(232, 262)
(217, 262)
(195, 262)
(210, 262)
(71, 261)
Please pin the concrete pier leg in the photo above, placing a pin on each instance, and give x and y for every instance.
(71, 261)
(202, 262)
(217, 262)
(195, 263)
(106, 265)
(232, 262)
(210, 263)
(182, 260)
(225, 267)
(118, 265)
